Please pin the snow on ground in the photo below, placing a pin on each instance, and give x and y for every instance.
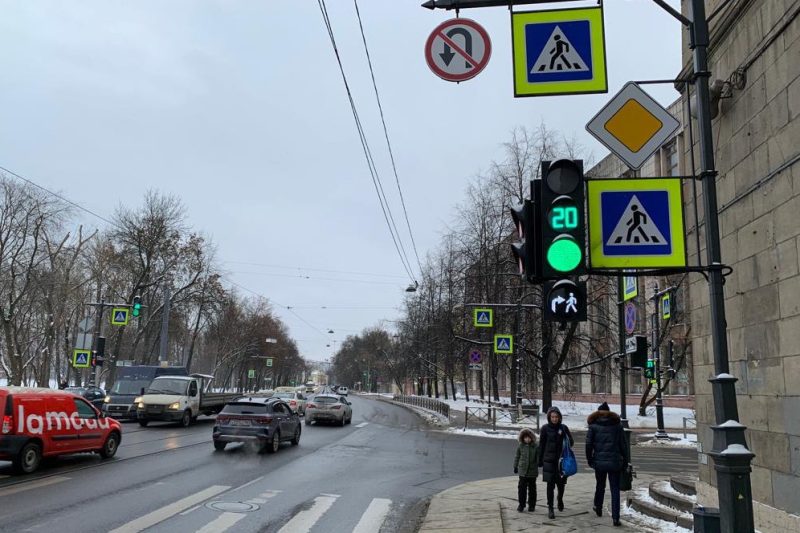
(654, 524)
(485, 433)
(650, 440)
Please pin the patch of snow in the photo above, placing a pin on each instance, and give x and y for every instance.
(656, 524)
(485, 433)
(652, 442)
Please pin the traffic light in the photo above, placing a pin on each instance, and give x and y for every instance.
(563, 228)
(99, 356)
(137, 305)
(565, 301)
(524, 249)
(650, 369)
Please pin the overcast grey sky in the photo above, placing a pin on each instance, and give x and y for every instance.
(237, 106)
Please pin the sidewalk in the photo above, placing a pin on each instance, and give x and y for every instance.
(490, 506)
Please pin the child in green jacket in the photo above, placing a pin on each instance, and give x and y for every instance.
(526, 464)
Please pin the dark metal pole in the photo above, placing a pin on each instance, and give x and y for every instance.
(94, 376)
(623, 367)
(656, 322)
(731, 456)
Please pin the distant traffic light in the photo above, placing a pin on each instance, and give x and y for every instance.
(650, 369)
(563, 226)
(525, 250)
(137, 305)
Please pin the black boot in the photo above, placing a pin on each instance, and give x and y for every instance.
(550, 513)
(531, 507)
(617, 523)
(560, 504)
(521, 507)
(598, 511)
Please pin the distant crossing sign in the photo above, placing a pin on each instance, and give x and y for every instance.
(666, 306)
(483, 318)
(636, 223)
(631, 288)
(81, 358)
(559, 52)
(503, 344)
(119, 316)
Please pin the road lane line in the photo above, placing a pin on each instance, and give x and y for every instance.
(222, 523)
(187, 511)
(362, 424)
(168, 511)
(14, 489)
(373, 517)
(305, 520)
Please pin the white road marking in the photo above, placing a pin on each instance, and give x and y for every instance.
(330, 495)
(372, 519)
(305, 520)
(257, 501)
(187, 511)
(362, 424)
(22, 487)
(222, 523)
(168, 511)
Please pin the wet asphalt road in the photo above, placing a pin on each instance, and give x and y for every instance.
(381, 469)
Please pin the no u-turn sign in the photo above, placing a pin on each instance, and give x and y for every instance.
(458, 49)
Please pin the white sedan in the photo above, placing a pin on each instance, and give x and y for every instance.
(329, 408)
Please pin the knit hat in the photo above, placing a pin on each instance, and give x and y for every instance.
(603, 407)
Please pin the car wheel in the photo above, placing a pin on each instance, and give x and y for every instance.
(186, 419)
(296, 438)
(350, 419)
(144, 423)
(308, 421)
(110, 446)
(219, 446)
(344, 421)
(28, 459)
(275, 444)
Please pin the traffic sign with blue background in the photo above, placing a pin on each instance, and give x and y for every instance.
(503, 344)
(81, 358)
(631, 288)
(636, 223)
(630, 317)
(559, 52)
(119, 316)
(666, 306)
(482, 318)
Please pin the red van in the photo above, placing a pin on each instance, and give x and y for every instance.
(40, 423)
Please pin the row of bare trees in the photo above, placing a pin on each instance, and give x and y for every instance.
(473, 266)
(52, 269)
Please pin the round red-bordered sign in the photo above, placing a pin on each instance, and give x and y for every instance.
(458, 49)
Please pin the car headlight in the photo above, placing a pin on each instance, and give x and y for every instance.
(138, 399)
(176, 405)
(140, 404)
(107, 399)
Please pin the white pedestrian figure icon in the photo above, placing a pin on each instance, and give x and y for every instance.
(571, 302)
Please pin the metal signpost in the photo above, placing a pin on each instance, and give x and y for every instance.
(458, 49)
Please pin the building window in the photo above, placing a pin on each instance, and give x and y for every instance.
(671, 158)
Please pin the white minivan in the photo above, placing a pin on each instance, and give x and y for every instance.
(342, 390)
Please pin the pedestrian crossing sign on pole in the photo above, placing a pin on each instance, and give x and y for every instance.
(482, 318)
(631, 288)
(81, 358)
(559, 52)
(504, 344)
(119, 316)
(666, 305)
(636, 223)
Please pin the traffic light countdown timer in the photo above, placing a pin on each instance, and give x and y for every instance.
(563, 230)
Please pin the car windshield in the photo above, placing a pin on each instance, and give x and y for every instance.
(129, 387)
(245, 409)
(326, 399)
(283, 395)
(168, 386)
(75, 390)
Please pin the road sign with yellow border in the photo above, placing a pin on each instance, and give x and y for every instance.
(633, 125)
(630, 288)
(559, 51)
(120, 316)
(636, 223)
(503, 344)
(81, 358)
(482, 318)
(666, 306)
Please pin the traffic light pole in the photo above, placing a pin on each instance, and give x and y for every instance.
(655, 324)
(94, 378)
(623, 367)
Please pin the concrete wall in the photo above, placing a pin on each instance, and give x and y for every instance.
(757, 136)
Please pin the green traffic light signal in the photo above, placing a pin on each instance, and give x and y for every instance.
(564, 254)
(137, 306)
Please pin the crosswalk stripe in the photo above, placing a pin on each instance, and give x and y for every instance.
(262, 498)
(305, 520)
(362, 424)
(372, 519)
(222, 523)
(168, 511)
(14, 489)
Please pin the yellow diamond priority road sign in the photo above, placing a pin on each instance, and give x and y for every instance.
(632, 125)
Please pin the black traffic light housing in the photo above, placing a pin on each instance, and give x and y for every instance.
(565, 301)
(562, 219)
(137, 306)
(524, 249)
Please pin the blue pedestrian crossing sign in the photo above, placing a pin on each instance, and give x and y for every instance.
(559, 52)
(81, 358)
(666, 304)
(119, 316)
(636, 223)
(503, 344)
(482, 318)
(631, 289)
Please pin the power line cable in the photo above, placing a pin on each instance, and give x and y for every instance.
(387, 214)
(284, 267)
(386, 135)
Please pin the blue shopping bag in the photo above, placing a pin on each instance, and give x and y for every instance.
(567, 465)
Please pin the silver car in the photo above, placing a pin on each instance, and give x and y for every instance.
(329, 408)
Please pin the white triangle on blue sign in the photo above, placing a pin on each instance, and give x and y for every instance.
(120, 316)
(558, 55)
(81, 358)
(502, 344)
(636, 228)
(483, 317)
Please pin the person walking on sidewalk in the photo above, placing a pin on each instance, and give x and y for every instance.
(551, 443)
(526, 464)
(607, 455)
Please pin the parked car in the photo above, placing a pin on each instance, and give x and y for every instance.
(39, 423)
(342, 391)
(329, 408)
(265, 422)
(129, 386)
(295, 399)
(95, 395)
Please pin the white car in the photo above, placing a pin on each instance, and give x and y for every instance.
(329, 408)
(296, 400)
(342, 390)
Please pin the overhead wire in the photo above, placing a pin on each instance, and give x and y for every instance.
(386, 135)
(284, 267)
(385, 208)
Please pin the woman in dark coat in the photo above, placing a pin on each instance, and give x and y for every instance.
(607, 455)
(551, 442)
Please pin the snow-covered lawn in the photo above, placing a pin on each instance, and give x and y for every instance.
(485, 433)
(676, 440)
